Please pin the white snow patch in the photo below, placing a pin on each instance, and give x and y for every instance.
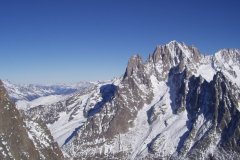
(206, 71)
(47, 100)
(64, 127)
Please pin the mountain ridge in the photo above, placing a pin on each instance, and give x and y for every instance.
(178, 104)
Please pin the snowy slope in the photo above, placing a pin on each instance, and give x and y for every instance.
(64, 114)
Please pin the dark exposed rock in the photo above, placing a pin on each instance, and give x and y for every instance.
(136, 68)
(177, 81)
(15, 142)
(218, 105)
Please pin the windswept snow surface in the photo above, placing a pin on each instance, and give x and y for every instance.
(206, 71)
(46, 100)
(63, 128)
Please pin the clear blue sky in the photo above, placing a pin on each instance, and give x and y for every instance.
(52, 41)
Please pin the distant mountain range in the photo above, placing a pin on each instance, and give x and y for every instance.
(178, 104)
(33, 91)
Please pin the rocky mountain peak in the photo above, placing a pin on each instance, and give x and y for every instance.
(231, 56)
(136, 72)
(135, 64)
(174, 52)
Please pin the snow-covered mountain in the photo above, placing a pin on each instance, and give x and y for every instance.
(161, 110)
(65, 116)
(178, 104)
(30, 92)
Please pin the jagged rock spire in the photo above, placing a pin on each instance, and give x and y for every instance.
(134, 64)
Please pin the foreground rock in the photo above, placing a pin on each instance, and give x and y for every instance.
(22, 138)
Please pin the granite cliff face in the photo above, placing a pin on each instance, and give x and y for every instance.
(178, 104)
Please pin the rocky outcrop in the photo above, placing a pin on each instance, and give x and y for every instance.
(167, 56)
(19, 138)
(219, 131)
